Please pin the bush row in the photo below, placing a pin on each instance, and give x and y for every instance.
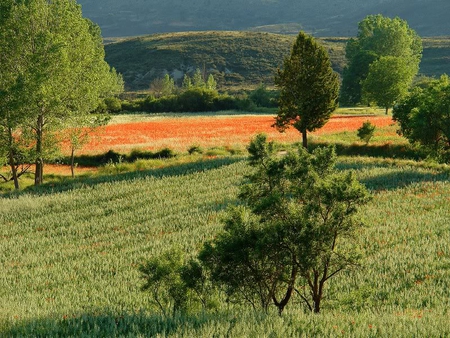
(197, 99)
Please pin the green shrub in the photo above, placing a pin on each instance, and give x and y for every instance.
(366, 131)
(195, 149)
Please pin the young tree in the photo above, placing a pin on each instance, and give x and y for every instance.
(308, 88)
(387, 82)
(293, 232)
(198, 80)
(62, 64)
(378, 37)
(365, 132)
(163, 86)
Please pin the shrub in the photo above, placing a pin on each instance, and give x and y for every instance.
(366, 131)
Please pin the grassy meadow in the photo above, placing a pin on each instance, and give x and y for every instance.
(70, 252)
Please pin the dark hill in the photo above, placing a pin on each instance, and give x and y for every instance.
(234, 58)
(322, 18)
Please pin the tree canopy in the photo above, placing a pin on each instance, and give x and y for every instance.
(424, 117)
(308, 87)
(380, 37)
(293, 231)
(59, 70)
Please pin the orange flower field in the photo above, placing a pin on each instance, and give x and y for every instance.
(179, 133)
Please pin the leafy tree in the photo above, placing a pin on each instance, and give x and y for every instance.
(387, 82)
(378, 37)
(308, 88)
(163, 86)
(176, 285)
(187, 82)
(424, 117)
(211, 83)
(79, 131)
(198, 80)
(61, 68)
(293, 231)
(365, 132)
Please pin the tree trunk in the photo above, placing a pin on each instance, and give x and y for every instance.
(282, 304)
(12, 164)
(387, 110)
(38, 179)
(305, 139)
(72, 162)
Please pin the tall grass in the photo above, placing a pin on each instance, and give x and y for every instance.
(69, 256)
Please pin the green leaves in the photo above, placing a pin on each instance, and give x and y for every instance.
(296, 209)
(382, 61)
(309, 87)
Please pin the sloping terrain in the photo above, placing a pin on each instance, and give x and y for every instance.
(234, 58)
(322, 18)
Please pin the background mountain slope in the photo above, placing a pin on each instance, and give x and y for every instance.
(239, 59)
(322, 18)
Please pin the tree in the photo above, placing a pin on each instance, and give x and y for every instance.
(378, 37)
(387, 82)
(198, 79)
(163, 86)
(308, 88)
(424, 117)
(60, 69)
(293, 232)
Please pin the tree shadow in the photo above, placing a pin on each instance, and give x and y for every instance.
(396, 177)
(110, 324)
(80, 182)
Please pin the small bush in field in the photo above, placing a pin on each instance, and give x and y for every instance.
(366, 131)
(195, 149)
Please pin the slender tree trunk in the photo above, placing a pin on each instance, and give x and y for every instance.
(12, 164)
(305, 139)
(38, 176)
(72, 162)
(11, 161)
(387, 110)
(282, 304)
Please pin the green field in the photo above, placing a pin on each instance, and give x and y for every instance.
(236, 59)
(70, 255)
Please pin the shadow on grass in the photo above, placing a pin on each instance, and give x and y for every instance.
(109, 324)
(394, 175)
(80, 182)
(388, 150)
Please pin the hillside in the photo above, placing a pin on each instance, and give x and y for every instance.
(322, 18)
(234, 58)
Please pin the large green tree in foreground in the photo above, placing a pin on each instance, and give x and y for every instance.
(293, 232)
(58, 71)
(309, 88)
(380, 37)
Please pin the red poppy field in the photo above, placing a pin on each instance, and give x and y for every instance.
(179, 133)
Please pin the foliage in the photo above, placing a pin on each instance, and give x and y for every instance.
(162, 86)
(262, 97)
(387, 82)
(61, 69)
(308, 88)
(379, 37)
(293, 232)
(424, 117)
(366, 131)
